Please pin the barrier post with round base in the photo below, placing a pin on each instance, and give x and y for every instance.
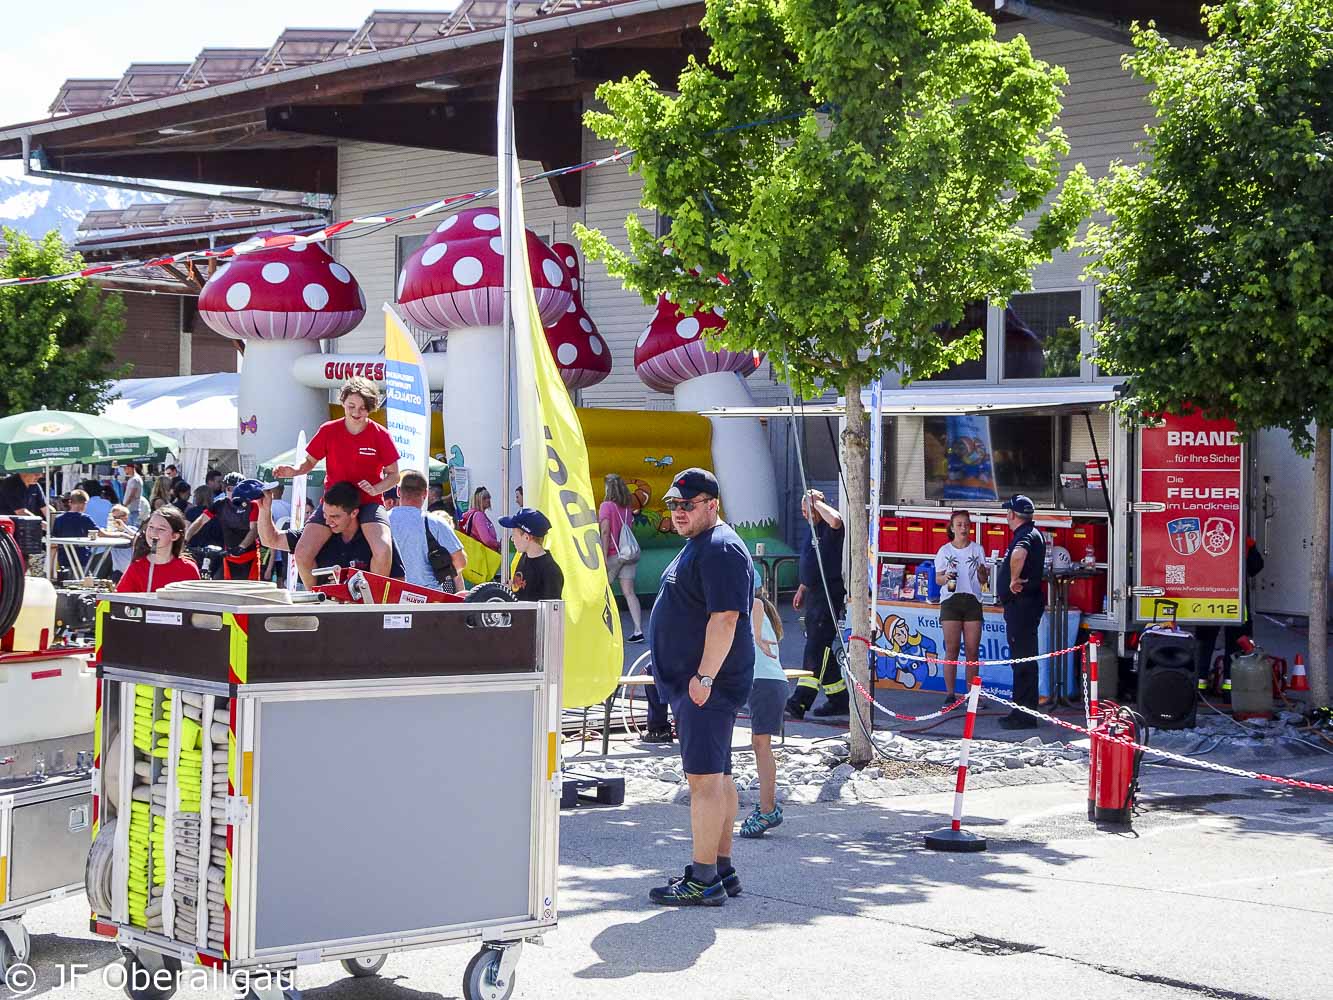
(956, 839)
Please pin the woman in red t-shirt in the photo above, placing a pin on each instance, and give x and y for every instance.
(355, 450)
(157, 555)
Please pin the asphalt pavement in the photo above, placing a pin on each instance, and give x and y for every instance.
(1221, 889)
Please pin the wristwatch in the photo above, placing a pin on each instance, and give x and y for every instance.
(704, 680)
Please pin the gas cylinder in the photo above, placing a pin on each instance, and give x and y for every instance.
(1251, 682)
(1113, 768)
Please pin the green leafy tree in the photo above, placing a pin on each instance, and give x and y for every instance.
(57, 340)
(1216, 262)
(900, 151)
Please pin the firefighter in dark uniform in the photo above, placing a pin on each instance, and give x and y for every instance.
(237, 511)
(1019, 590)
(823, 610)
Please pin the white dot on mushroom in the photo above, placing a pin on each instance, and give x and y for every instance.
(572, 307)
(688, 328)
(467, 270)
(643, 337)
(315, 296)
(275, 273)
(446, 224)
(571, 262)
(487, 221)
(341, 273)
(402, 280)
(498, 246)
(433, 253)
(554, 276)
(238, 295)
(596, 344)
(586, 324)
(566, 354)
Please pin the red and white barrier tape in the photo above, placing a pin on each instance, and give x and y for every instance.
(895, 655)
(868, 696)
(898, 715)
(1278, 779)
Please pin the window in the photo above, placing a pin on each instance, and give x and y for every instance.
(405, 247)
(974, 318)
(1041, 335)
(1020, 450)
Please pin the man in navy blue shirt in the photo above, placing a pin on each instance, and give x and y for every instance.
(703, 664)
(1019, 590)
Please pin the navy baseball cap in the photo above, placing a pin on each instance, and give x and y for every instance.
(1019, 504)
(246, 491)
(534, 522)
(690, 484)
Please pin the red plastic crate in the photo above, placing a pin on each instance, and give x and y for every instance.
(915, 535)
(890, 534)
(995, 538)
(1060, 537)
(939, 535)
(1088, 594)
(1083, 535)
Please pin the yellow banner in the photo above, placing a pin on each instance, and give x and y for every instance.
(556, 479)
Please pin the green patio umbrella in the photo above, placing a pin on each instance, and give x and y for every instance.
(44, 438)
(314, 479)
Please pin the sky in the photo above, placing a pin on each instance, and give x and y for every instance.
(42, 45)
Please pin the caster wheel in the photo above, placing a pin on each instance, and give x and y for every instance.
(479, 977)
(364, 965)
(7, 956)
(150, 976)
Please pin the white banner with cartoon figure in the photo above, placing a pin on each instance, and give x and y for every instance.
(914, 629)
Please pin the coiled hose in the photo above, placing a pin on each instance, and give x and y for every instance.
(11, 581)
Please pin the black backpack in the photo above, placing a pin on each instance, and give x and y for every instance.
(440, 559)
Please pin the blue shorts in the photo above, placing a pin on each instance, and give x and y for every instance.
(768, 698)
(705, 737)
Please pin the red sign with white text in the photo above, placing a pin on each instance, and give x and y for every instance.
(1193, 549)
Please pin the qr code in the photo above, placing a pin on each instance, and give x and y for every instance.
(1175, 575)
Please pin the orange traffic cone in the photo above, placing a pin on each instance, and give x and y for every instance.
(1298, 681)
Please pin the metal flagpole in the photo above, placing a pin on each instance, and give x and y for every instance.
(506, 193)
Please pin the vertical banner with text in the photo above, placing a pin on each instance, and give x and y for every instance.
(555, 473)
(407, 396)
(1191, 520)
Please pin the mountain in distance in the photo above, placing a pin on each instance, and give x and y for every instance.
(35, 205)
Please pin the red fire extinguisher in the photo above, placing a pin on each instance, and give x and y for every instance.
(1113, 769)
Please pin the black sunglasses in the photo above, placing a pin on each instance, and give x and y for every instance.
(686, 505)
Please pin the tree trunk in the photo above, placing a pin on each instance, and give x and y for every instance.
(1318, 668)
(856, 467)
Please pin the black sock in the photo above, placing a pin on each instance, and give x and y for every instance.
(723, 864)
(706, 874)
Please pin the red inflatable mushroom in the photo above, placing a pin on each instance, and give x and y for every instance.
(671, 349)
(580, 352)
(296, 292)
(456, 278)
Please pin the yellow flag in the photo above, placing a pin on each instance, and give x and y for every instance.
(556, 480)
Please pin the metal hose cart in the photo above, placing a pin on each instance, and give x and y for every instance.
(305, 783)
(46, 698)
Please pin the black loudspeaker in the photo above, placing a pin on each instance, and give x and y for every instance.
(1168, 690)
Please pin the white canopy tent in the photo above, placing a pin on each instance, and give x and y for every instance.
(197, 410)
